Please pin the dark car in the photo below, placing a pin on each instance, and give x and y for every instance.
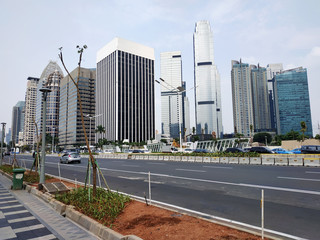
(310, 149)
(199, 150)
(260, 150)
(234, 150)
(137, 151)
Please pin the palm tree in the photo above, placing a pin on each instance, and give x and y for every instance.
(303, 128)
(100, 129)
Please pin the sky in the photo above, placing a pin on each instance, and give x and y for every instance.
(257, 31)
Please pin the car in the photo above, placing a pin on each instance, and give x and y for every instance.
(108, 151)
(200, 150)
(234, 150)
(261, 150)
(70, 157)
(281, 151)
(296, 151)
(137, 151)
(188, 150)
(309, 149)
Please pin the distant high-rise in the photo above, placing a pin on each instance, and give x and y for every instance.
(8, 136)
(292, 104)
(125, 91)
(172, 103)
(70, 125)
(242, 97)
(260, 99)
(30, 111)
(207, 82)
(17, 124)
(50, 78)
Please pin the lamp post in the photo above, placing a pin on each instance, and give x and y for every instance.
(90, 117)
(2, 137)
(45, 92)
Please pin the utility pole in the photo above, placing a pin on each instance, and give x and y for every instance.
(2, 137)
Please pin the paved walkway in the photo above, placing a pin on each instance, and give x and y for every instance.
(25, 216)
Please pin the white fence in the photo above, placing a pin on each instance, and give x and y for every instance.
(310, 160)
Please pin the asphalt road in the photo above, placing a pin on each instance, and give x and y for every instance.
(292, 196)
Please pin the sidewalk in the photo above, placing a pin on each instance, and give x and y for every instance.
(25, 216)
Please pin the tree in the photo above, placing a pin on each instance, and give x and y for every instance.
(251, 130)
(100, 129)
(317, 136)
(193, 130)
(303, 128)
(76, 83)
(292, 135)
(261, 137)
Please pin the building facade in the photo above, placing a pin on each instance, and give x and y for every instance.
(242, 98)
(125, 91)
(292, 103)
(172, 100)
(50, 78)
(70, 124)
(260, 99)
(30, 111)
(207, 82)
(17, 124)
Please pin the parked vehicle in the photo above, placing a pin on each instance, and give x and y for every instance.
(108, 151)
(296, 151)
(234, 150)
(137, 151)
(199, 150)
(188, 150)
(261, 150)
(281, 151)
(70, 157)
(310, 149)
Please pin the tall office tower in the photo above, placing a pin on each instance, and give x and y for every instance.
(292, 104)
(125, 91)
(207, 82)
(8, 136)
(30, 111)
(70, 124)
(260, 99)
(241, 97)
(272, 70)
(17, 123)
(50, 78)
(172, 99)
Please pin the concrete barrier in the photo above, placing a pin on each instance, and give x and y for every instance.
(166, 158)
(172, 158)
(224, 160)
(184, 159)
(178, 158)
(311, 162)
(155, 157)
(146, 157)
(234, 160)
(244, 160)
(133, 156)
(281, 160)
(206, 159)
(198, 159)
(295, 161)
(191, 159)
(160, 157)
(267, 160)
(255, 160)
(215, 159)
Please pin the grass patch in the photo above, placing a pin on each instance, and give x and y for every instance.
(105, 207)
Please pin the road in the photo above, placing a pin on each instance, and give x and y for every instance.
(292, 196)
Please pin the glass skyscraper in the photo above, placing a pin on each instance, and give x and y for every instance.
(125, 91)
(17, 124)
(172, 104)
(292, 104)
(207, 82)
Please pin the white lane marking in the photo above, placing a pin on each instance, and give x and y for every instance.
(24, 229)
(157, 163)
(15, 212)
(132, 178)
(217, 167)
(155, 182)
(189, 170)
(211, 181)
(12, 206)
(300, 179)
(313, 172)
(21, 219)
(127, 165)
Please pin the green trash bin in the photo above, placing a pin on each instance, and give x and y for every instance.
(17, 181)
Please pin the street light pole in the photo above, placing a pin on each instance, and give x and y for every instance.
(53, 129)
(90, 117)
(45, 92)
(2, 137)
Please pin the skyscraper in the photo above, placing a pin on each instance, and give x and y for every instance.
(50, 78)
(207, 82)
(125, 91)
(292, 104)
(260, 99)
(242, 97)
(172, 103)
(70, 125)
(30, 111)
(17, 124)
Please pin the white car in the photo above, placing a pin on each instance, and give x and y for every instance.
(70, 157)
